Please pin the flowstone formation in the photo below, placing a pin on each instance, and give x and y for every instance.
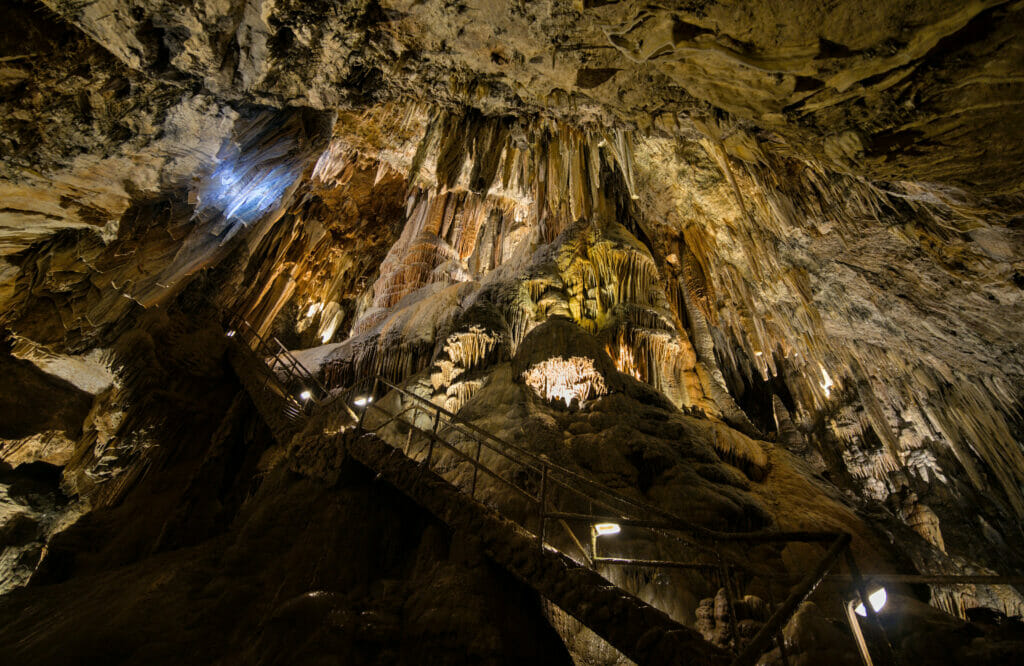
(759, 265)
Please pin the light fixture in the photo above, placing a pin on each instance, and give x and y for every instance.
(363, 401)
(856, 607)
(602, 529)
(230, 334)
(876, 599)
(306, 395)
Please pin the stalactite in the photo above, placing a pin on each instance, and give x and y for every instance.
(572, 379)
(439, 239)
(646, 345)
(460, 393)
(520, 312)
(462, 352)
(922, 520)
(704, 347)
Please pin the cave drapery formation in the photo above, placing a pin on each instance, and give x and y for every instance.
(757, 263)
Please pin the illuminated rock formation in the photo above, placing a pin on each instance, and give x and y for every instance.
(756, 263)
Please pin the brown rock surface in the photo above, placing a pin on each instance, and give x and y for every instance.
(786, 236)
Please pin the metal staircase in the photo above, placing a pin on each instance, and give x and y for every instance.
(441, 464)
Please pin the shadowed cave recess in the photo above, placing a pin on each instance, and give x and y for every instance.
(758, 265)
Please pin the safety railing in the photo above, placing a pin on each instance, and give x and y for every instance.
(544, 484)
(285, 374)
(556, 495)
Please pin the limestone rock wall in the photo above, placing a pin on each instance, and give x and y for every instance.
(796, 227)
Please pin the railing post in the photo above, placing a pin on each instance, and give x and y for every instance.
(433, 436)
(727, 584)
(780, 639)
(887, 656)
(476, 468)
(543, 501)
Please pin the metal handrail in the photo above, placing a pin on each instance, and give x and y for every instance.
(674, 522)
(294, 369)
(751, 651)
(576, 483)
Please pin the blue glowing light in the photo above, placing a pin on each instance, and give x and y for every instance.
(244, 194)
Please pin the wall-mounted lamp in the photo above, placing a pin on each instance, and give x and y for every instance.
(877, 600)
(230, 334)
(363, 401)
(600, 530)
(306, 395)
(856, 607)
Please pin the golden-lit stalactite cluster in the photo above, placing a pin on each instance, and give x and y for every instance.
(448, 237)
(484, 193)
(452, 375)
(325, 249)
(606, 281)
(556, 166)
(451, 240)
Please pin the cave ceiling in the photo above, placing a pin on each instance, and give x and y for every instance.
(817, 201)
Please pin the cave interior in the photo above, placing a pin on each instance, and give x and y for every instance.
(693, 278)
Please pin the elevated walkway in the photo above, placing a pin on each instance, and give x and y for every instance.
(641, 632)
(430, 467)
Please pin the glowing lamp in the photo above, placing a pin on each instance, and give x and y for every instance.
(230, 334)
(877, 600)
(855, 608)
(602, 529)
(363, 401)
(306, 395)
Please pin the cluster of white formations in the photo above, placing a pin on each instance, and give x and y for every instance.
(573, 379)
